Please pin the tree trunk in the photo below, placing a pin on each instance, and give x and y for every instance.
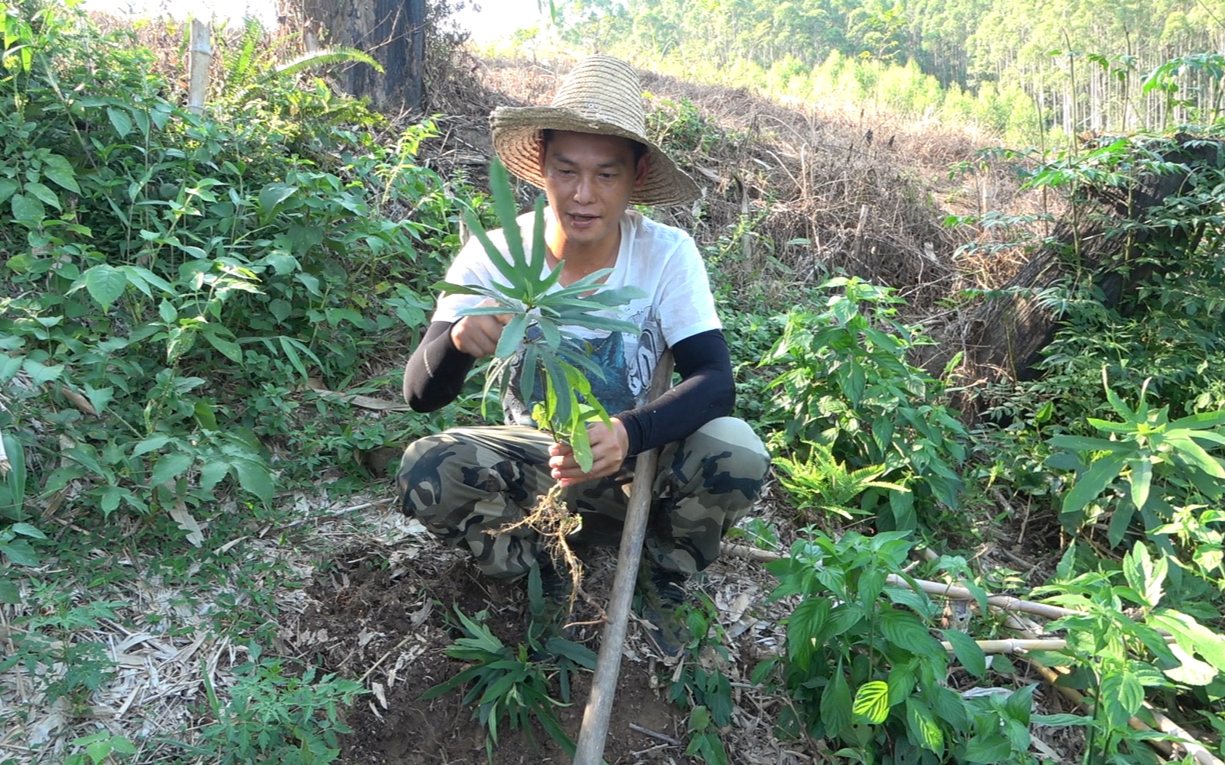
(1004, 337)
(390, 31)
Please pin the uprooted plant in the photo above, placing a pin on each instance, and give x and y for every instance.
(541, 351)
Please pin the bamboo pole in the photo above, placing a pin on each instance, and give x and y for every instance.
(1005, 602)
(201, 58)
(590, 749)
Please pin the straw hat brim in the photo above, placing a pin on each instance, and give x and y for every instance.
(516, 139)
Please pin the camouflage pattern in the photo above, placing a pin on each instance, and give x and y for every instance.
(466, 482)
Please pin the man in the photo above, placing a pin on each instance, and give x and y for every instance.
(589, 153)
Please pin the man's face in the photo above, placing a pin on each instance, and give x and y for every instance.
(588, 180)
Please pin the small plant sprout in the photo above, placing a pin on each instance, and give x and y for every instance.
(540, 343)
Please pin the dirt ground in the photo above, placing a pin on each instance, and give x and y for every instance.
(384, 613)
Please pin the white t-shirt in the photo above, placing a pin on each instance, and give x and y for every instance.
(660, 260)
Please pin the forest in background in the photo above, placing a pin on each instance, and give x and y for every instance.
(1012, 67)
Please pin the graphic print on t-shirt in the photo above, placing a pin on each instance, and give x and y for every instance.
(627, 363)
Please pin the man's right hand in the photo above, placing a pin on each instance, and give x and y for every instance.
(478, 336)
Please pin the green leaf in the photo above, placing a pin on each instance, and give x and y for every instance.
(1194, 454)
(904, 630)
(120, 120)
(20, 553)
(59, 172)
(988, 748)
(968, 652)
(171, 466)
(255, 477)
(27, 209)
(836, 704)
(1141, 480)
(1121, 694)
(9, 592)
(104, 283)
(1082, 444)
(1143, 575)
(44, 194)
(1092, 483)
(512, 336)
(41, 373)
(871, 702)
(504, 204)
(274, 194)
(924, 729)
(26, 530)
(1191, 635)
(803, 626)
(7, 188)
(230, 349)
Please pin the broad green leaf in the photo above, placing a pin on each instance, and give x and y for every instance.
(924, 729)
(274, 194)
(1191, 635)
(99, 398)
(104, 283)
(803, 628)
(1190, 670)
(20, 553)
(1143, 575)
(836, 704)
(27, 209)
(904, 630)
(44, 194)
(1193, 453)
(7, 188)
(872, 702)
(26, 530)
(1121, 694)
(120, 120)
(968, 652)
(151, 444)
(57, 169)
(1092, 483)
(988, 747)
(254, 477)
(42, 373)
(212, 473)
(9, 592)
(171, 466)
(230, 349)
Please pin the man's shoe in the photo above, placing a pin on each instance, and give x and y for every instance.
(662, 593)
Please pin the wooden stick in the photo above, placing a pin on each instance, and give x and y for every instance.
(1006, 602)
(590, 749)
(1015, 646)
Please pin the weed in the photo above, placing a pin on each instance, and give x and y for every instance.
(509, 688)
(276, 717)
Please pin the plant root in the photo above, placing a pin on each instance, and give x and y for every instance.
(553, 521)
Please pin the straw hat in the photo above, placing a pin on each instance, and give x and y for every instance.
(601, 95)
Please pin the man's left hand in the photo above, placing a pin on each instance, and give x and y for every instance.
(608, 448)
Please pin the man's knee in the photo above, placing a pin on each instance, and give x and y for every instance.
(724, 459)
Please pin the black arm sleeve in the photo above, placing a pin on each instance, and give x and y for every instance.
(436, 370)
(706, 391)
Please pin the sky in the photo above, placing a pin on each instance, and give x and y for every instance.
(497, 18)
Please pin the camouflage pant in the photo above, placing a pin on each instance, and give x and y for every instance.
(466, 482)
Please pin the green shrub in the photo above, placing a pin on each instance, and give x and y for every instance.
(848, 386)
(173, 281)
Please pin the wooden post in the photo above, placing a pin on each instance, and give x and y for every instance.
(201, 58)
(590, 750)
